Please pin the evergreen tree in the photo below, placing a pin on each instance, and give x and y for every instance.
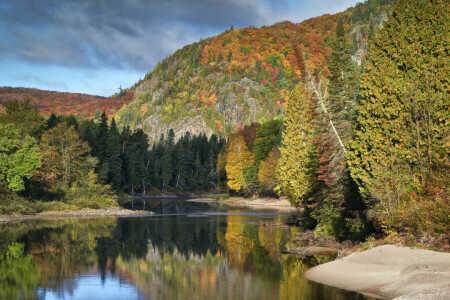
(400, 150)
(294, 172)
(25, 117)
(102, 137)
(341, 103)
(113, 158)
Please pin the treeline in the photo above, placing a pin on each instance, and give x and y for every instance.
(362, 152)
(129, 165)
(45, 164)
(83, 163)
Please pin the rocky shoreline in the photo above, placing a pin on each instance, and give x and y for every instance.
(82, 213)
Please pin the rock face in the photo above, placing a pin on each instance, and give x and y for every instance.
(358, 37)
(242, 76)
(234, 104)
(156, 127)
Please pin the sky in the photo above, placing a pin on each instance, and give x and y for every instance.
(96, 46)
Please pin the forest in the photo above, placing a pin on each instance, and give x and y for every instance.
(360, 149)
(80, 105)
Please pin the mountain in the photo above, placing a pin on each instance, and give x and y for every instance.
(241, 76)
(67, 103)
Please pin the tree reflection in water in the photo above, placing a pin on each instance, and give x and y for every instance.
(181, 256)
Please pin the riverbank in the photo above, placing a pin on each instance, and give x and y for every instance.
(85, 212)
(389, 272)
(255, 203)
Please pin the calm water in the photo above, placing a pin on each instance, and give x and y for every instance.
(186, 251)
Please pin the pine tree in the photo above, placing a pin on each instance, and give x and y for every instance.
(294, 173)
(400, 150)
(102, 136)
(113, 149)
(341, 103)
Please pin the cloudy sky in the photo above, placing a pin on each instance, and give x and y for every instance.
(95, 46)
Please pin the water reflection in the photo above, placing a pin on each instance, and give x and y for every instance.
(197, 251)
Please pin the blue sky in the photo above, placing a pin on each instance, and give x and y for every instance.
(95, 46)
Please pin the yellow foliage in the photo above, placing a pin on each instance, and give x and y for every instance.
(239, 158)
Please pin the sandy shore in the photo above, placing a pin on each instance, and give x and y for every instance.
(258, 203)
(86, 212)
(389, 272)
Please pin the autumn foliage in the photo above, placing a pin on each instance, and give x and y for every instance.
(59, 103)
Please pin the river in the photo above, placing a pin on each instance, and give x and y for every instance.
(185, 251)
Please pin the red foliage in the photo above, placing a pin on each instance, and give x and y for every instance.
(61, 103)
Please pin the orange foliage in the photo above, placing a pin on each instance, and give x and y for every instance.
(63, 103)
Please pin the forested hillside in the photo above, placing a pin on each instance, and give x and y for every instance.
(81, 105)
(366, 151)
(241, 76)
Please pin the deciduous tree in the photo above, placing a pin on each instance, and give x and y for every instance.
(19, 156)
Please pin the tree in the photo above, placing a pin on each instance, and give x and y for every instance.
(24, 116)
(113, 158)
(267, 137)
(341, 102)
(294, 172)
(267, 174)
(19, 157)
(101, 141)
(66, 157)
(400, 150)
(239, 159)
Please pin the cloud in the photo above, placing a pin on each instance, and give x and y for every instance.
(112, 33)
(58, 85)
(127, 34)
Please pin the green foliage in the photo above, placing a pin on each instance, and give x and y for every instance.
(24, 116)
(19, 157)
(113, 156)
(19, 275)
(330, 222)
(87, 192)
(400, 150)
(267, 137)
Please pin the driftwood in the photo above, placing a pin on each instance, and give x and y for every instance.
(310, 251)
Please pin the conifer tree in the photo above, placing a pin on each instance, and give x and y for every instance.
(294, 172)
(25, 117)
(401, 145)
(102, 136)
(341, 103)
(113, 156)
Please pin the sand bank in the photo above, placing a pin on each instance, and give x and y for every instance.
(86, 212)
(258, 203)
(389, 272)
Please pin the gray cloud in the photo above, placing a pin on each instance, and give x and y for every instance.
(49, 84)
(113, 33)
(129, 35)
